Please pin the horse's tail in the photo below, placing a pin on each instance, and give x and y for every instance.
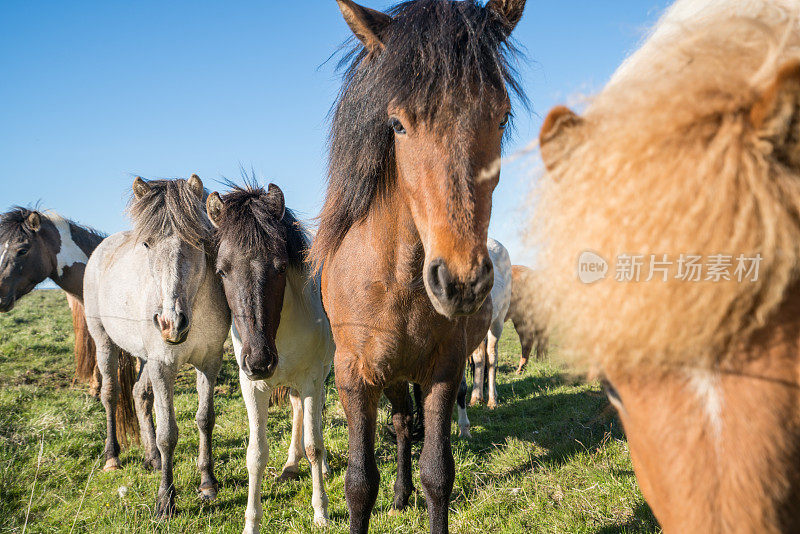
(127, 423)
(279, 396)
(85, 355)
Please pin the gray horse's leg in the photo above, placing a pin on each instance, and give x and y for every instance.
(491, 361)
(107, 362)
(163, 379)
(206, 380)
(143, 397)
(478, 359)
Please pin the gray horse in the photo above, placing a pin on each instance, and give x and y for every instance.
(153, 292)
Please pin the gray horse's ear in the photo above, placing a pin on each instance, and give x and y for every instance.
(33, 221)
(367, 24)
(509, 10)
(776, 115)
(559, 136)
(196, 185)
(140, 187)
(277, 204)
(214, 208)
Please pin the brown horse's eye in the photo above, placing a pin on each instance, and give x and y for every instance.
(505, 121)
(23, 251)
(220, 273)
(282, 268)
(397, 126)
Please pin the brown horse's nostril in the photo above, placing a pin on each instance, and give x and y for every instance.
(441, 280)
(485, 280)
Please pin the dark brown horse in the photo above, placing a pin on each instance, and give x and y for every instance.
(37, 245)
(414, 159)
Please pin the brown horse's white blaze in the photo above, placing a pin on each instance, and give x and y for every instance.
(693, 148)
(415, 140)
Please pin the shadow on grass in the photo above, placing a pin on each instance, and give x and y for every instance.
(643, 519)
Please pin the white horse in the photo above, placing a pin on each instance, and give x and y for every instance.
(484, 357)
(153, 293)
(281, 335)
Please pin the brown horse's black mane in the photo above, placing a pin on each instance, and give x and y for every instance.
(249, 221)
(13, 227)
(442, 59)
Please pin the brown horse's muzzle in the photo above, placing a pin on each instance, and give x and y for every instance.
(173, 331)
(454, 296)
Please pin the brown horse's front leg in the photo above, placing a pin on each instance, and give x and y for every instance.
(436, 465)
(360, 403)
(402, 421)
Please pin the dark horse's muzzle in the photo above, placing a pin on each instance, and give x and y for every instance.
(259, 364)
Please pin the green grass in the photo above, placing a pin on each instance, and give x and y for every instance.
(550, 458)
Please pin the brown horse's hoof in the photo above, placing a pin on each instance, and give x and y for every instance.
(519, 371)
(492, 404)
(112, 464)
(165, 510)
(208, 492)
(288, 474)
(475, 401)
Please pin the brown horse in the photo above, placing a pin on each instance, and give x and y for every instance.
(691, 154)
(415, 147)
(524, 313)
(37, 245)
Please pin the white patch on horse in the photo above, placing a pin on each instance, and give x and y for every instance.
(705, 385)
(70, 253)
(3, 255)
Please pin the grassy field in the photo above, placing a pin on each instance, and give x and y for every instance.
(550, 458)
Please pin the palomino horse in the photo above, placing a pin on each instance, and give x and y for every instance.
(484, 358)
(36, 245)
(281, 335)
(153, 292)
(687, 166)
(415, 147)
(524, 313)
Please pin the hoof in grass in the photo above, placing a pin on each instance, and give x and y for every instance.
(112, 464)
(321, 521)
(207, 492)
(288, 474)
(463, 432)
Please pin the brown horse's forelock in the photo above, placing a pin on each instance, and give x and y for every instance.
(442, 62)
(668, 163)
(248, 221)
(169, 208)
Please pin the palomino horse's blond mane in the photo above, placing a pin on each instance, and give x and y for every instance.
(676, 156)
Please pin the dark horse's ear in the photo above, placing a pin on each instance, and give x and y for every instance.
(509, 10)
(367, 24)
(214, 208)
(196, 185)
(33, 221)
(776, 115)
(559, 136)
(140, 187)
(277, 204)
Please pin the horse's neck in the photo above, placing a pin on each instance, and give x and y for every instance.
(70, 253)
(303, 314)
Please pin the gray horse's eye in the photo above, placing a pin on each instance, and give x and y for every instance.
(145, 244)
(23, 251)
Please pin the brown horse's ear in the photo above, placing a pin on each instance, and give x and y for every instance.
(214, 208)
(196, 185)
(140, 187)
(33, 221)
(277, 204)
(776, 115)
(367, 24)
(557, 137)
(509, 10)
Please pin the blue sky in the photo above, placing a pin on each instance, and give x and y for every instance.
(94, 93)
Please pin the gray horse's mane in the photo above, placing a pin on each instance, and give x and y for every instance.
(171, 207)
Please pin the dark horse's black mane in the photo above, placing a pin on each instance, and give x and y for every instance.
(250, 223)
(442, 59)
(13, 227)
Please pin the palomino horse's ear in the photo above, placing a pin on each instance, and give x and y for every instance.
(776, 115)
(33, 221)
(140, 187)
(509, 10)
(557, 137)
(196, 185)
(277, 204)
(367, 24)
(214, 208)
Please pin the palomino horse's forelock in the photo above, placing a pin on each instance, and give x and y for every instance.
(672, 166)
